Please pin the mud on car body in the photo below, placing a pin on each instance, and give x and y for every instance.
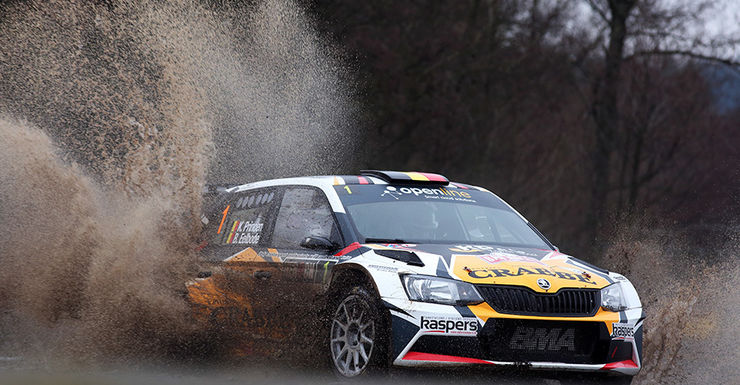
(408, 269)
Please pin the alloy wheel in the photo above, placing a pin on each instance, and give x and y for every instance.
(352, 336)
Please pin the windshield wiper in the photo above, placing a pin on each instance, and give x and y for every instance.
(384, 240)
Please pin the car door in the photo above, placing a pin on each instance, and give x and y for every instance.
(304, 227)
(304, 214)
(264, 280)
(237, 264)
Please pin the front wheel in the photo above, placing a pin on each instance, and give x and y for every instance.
(357, 334)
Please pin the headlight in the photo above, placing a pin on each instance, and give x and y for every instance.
(619, 296)
(440, 290)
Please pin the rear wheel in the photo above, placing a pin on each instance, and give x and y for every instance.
(356, 338)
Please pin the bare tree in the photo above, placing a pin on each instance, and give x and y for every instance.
(570, 121)
(604, 108)
(625, 141)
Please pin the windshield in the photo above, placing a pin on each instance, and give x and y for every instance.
(435, 215)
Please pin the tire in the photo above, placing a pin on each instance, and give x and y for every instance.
(357, 334)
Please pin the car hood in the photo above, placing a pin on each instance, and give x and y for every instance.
(545, 271)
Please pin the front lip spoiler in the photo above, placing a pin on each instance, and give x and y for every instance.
(418, 359)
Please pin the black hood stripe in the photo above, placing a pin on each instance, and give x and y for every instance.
(396, 308)
(464, 311)
(442, 270)
(589, 268)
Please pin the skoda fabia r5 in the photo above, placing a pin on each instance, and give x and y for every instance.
(407, 269)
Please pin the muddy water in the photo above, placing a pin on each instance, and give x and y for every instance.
(87, 271)
(113, 115)
(105, 146)
(691, 298)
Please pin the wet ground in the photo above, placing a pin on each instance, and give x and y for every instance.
(273, 376)
(14, 371)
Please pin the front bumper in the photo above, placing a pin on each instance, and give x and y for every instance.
(426, 335)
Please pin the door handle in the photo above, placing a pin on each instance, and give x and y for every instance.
(262, 274)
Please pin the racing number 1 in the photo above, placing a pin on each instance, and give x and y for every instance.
(348, 190)
(223, 219)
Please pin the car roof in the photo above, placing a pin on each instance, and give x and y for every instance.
(327, 183)
(362, 179)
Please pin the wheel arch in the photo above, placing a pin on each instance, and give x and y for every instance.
(344, 274)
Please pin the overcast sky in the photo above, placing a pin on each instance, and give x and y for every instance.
(725, 17)
(722, 19)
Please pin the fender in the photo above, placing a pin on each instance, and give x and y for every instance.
(351, 266)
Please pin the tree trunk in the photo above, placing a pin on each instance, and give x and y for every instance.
(605, 113)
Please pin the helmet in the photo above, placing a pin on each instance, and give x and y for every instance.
(422, 221)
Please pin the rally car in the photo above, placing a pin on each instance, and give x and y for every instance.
(407, 269)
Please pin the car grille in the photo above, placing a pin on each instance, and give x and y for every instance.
(520, 300)
(546, 341)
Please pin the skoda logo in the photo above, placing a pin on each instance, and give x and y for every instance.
(543, 283)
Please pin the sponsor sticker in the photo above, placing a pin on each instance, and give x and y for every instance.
(450, 325)
(391, 192)
(428, 193)
(622, 330)
(495, 249)
(502, 257)
(516, 269)
(499, 273)
(471, 248)
(386, 269)
(245, 232)
(399, 246)
(555, 339)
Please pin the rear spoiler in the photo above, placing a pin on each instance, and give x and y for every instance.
(407, 177)
(215, 189)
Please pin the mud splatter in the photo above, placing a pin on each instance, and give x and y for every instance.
(87, 271)
(283, 102)
(114, 115)
(690, 296)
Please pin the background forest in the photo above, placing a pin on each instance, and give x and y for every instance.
(585, 115)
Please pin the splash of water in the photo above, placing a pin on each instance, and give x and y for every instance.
(128, 108)
(282, 102)
(690, 297)
(88, 271)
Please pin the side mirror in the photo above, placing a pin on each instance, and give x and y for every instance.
(318, 243)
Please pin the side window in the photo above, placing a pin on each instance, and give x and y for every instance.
(244, 219)
(304, 212)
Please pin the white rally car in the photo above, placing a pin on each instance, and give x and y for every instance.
(408, 269)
